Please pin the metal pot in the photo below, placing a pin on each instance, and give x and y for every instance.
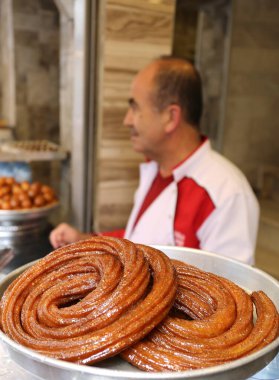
(16, 225)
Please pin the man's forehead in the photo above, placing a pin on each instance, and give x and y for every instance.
(144, 79)
(148, 71)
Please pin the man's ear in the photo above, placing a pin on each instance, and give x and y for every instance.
(173, 113)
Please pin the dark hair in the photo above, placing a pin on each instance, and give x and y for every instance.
(178, 81)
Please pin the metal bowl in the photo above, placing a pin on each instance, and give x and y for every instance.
(14, 216)
(116, 369)
(17, 225)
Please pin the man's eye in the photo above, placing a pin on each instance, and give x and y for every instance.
(133, 105)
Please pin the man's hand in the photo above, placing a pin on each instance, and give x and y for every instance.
(65, 234)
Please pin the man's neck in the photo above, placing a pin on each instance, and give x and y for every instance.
(178, 153)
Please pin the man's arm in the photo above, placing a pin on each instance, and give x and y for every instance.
(231, 230)
(65, 234)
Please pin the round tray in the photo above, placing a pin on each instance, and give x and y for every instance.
(14, 216)
(116, 369)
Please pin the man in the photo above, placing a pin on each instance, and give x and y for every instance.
(189, 195)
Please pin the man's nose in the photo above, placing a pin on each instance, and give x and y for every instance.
(128, 119)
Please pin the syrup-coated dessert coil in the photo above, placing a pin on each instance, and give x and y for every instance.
(89, 300)
(220, 328)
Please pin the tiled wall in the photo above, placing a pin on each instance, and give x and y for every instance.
(135, 32)
(36, 49)
(211, 60)
(202, 35)
(36, 39)
(185, 31)
(251, 135)
(1, 81)
(7, 75)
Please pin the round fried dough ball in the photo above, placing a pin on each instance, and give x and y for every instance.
(24, 195)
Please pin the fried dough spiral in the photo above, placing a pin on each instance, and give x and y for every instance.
(221, 328)
(89, 300)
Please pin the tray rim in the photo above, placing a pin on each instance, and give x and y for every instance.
(8, 216)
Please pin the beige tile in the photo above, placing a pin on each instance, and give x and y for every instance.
(26, 21)
(111, 170)
(120, 149)
(135, 33)
(36, 81)
(267, 252)
(115, 204)
(256, 10)
(251, 34)
(27, 58)
(253, 85)
(114, 216)
(26, 7)
(113, 124)
(254, 60)
(268, 261)
(121, 54)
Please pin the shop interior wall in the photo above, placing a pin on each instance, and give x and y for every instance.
(135, 32)
(36, 50)
(29, 71)
(249, 134)
(7, 77)
(251, 137)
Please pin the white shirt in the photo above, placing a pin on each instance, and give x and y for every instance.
(230, 229)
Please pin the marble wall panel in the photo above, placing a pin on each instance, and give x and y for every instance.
(121, 149)
(1, 97)
(24, 116)
(134, 17)
(1, 64)
(255, 127)
(257, 35)
(116, 87)
(113, 170)
(7, 63)
(41, 116)
(259, 10)
(114, 205)
(26, 58)
(113, 120)
(66, 79)
(1, 59)
(36, 40)
(36, 81)
(250, 60)
(212, 50)
(127, 54)
(243, 108)
(185, 31)
(251, 130)
(26, 21)
(254, 84)
(27, 6)
(135, 33)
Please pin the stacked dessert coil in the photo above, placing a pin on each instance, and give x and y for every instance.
(97, 298)
(220, 328)
(90, 300)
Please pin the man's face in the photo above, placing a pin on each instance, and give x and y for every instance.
(143, 119)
